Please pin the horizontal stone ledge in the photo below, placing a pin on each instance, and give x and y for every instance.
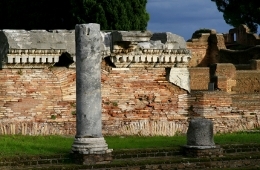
(33, 66)
(150, 58)
(34, 59)
(153, 51)
(36, 51)
(120, 69)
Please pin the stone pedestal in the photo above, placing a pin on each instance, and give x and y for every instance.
(202, 152)
(200, 142)
(89, 146)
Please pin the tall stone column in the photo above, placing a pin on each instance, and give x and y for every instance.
(89, 146)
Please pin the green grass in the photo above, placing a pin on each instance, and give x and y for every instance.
(34, 145)
(12, 145)
(237, 138)
(139, 142)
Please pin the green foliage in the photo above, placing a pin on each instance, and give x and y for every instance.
(113, 14)
(202, 30)
(197, 33)
(236, 12)
(40, 14)
(53, 117)
(65, 14)
(20, 72)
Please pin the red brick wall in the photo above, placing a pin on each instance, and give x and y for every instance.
(200, 54)
(139, 95)
(135, 101)
(199, 78)
(211, 103)
(33, 96)
(42, 101)
(247, 81)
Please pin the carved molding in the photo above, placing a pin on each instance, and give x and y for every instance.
(16, 58)
(164, 60)
(36, 51)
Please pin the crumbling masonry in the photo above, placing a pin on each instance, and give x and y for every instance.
(151, 84)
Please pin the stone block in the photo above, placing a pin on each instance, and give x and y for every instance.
(180, 77)
(91, 159)
(203, 152)
(227, 70)
(255, 64)
(132, 36)
(177, 41)
(200, 133)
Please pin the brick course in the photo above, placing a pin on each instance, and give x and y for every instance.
(135, 101)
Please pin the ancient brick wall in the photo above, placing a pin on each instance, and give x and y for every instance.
(199, 78)
(211, 103)
(205, 49)
(142, 101)
(247, 81)
(242, 35)
(135, 101)
(239, 56)
(200, 51)
(32, 98)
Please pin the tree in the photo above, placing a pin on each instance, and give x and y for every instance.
(65, 14)
(113, 14)
(40, 14)
(236, 12)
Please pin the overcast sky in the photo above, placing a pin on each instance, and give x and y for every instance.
(183, 17)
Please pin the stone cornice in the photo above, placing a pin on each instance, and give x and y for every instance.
(163, 60)
(36, 51)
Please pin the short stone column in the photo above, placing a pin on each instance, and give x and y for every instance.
(89, 146)
(200, 139)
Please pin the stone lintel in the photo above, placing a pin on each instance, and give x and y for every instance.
(132, 36)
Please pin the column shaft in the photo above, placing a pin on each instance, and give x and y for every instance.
(88, 80)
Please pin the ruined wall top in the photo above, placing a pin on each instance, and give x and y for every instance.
(242, 35)
(39, 39)
(39, 48)
(35, 46)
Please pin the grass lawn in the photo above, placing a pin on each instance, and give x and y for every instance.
(48, 145)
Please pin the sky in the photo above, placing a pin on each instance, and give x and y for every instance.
(183, 17)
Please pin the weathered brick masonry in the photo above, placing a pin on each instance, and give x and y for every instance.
(135, 101)
(38, 98)
(141, 101)
(35, 101)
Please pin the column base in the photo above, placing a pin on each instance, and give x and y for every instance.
(91, 159)
(89, 151)
(202, 151)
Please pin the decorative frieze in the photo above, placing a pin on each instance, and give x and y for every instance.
(135, 49)
(124, 48)
(35, 48)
